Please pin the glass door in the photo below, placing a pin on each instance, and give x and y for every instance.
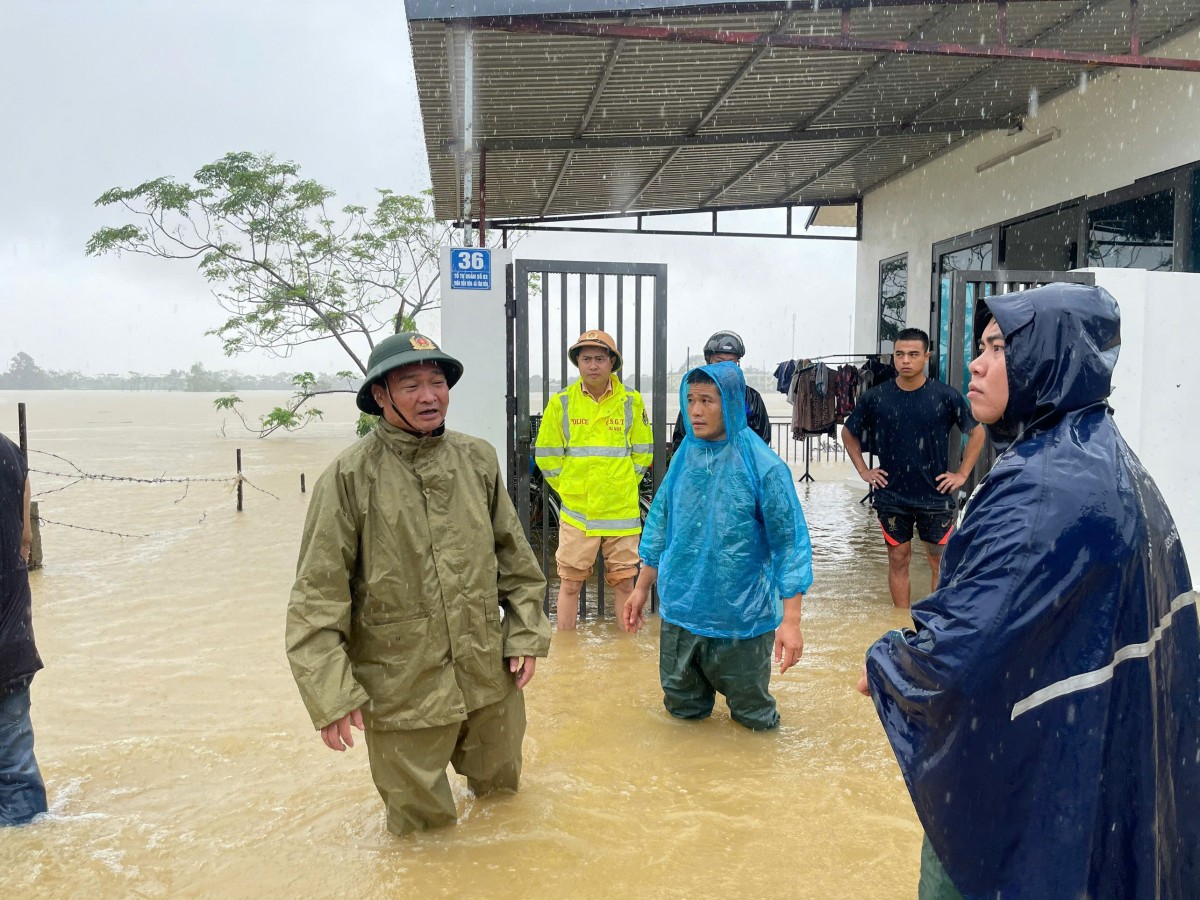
(972, 252)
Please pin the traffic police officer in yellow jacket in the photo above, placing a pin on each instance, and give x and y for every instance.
(417, 607)
(593, 447)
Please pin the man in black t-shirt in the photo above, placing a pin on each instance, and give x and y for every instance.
(906, 423)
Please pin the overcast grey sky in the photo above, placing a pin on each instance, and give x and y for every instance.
(108, 94)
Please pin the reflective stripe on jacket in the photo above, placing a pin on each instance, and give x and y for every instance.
(594, 455)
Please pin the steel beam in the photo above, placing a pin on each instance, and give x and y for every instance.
(681, 233)
(794, 193)
(718, 101)
(467, 41)
(825, 107)
(452, 11)
(978, 76)
(609, 65)
(941, 98)
(517, 222)
(720, 139)
(838, 43)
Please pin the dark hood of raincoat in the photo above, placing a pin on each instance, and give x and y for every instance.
(726, 531)
(1046, 710)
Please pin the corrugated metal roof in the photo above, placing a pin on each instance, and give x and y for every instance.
(779, 125)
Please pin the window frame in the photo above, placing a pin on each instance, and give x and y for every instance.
(879, 297)
(1174, 181)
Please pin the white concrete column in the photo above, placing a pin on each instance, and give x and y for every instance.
(473, 331)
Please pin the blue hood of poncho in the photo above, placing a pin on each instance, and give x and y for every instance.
(732, 384)
(1059, 362)
(726, 531)
(1045, 710)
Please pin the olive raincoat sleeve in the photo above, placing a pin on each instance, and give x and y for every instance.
(319, 614)
(519, 581)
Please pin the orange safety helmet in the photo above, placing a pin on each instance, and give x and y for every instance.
(595, 338)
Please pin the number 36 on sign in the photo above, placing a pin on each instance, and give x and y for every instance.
(470, 269)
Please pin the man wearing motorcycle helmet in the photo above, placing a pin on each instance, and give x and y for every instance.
(727, 346)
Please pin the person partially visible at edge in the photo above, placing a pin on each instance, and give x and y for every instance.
(727, 346)
(593, 447)
(22, 790)
(727, 545)
(417, 609)
(1045, 710)
(906, 422)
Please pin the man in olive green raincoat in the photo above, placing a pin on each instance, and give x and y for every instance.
(417, 609)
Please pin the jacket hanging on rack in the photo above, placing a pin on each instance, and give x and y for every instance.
(783, 375)
(815, 409)
(875, 372)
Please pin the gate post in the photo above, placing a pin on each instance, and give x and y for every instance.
(473, 331)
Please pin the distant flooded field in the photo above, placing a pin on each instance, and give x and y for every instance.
(180, 762)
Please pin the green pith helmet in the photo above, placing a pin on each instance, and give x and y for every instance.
(403, 349)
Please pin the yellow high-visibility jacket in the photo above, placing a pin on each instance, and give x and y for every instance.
(594, 455)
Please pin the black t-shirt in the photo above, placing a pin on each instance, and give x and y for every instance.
(910, 433)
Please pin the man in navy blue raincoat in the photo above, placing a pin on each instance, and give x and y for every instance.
(1046, 710)
(726, 542)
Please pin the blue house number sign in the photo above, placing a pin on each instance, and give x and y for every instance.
(470, 269)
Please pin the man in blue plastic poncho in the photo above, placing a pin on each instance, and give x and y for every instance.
(726, 542)
(1046, 710)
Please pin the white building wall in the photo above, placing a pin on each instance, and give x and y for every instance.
(1128, 124)
(473, 330)
(1156, 386)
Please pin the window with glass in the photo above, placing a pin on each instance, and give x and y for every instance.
(973, 258)
(893, 300)
(1044, 243)
(1194, 258)
(1133, 234)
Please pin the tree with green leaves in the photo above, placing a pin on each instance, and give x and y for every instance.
(287, 267)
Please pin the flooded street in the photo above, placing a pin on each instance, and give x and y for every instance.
(180, 762)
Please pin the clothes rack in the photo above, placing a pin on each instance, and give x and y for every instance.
(841, 357)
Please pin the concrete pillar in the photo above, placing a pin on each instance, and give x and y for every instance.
(473, 331)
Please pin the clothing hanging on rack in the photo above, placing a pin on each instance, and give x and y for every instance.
(875, 371)
(783, 375)
(845, 390)
(800, 365)
(815, 408)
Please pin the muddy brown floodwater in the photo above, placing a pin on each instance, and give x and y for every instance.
(180, 762)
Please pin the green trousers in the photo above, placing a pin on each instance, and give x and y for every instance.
(935, 884)
(693, 668)
(409, 767)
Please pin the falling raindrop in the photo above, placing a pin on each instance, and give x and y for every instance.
(1083, 82)
(1033, 102)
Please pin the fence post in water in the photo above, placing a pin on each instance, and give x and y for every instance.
(302, 482)
(239, 479)
(35, 522)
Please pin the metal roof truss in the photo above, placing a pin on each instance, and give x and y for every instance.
(646, 109)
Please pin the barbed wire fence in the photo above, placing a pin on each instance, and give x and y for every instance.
(79, 475)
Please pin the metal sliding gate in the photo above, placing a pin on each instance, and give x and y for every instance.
(968, 287)
(550, 303)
